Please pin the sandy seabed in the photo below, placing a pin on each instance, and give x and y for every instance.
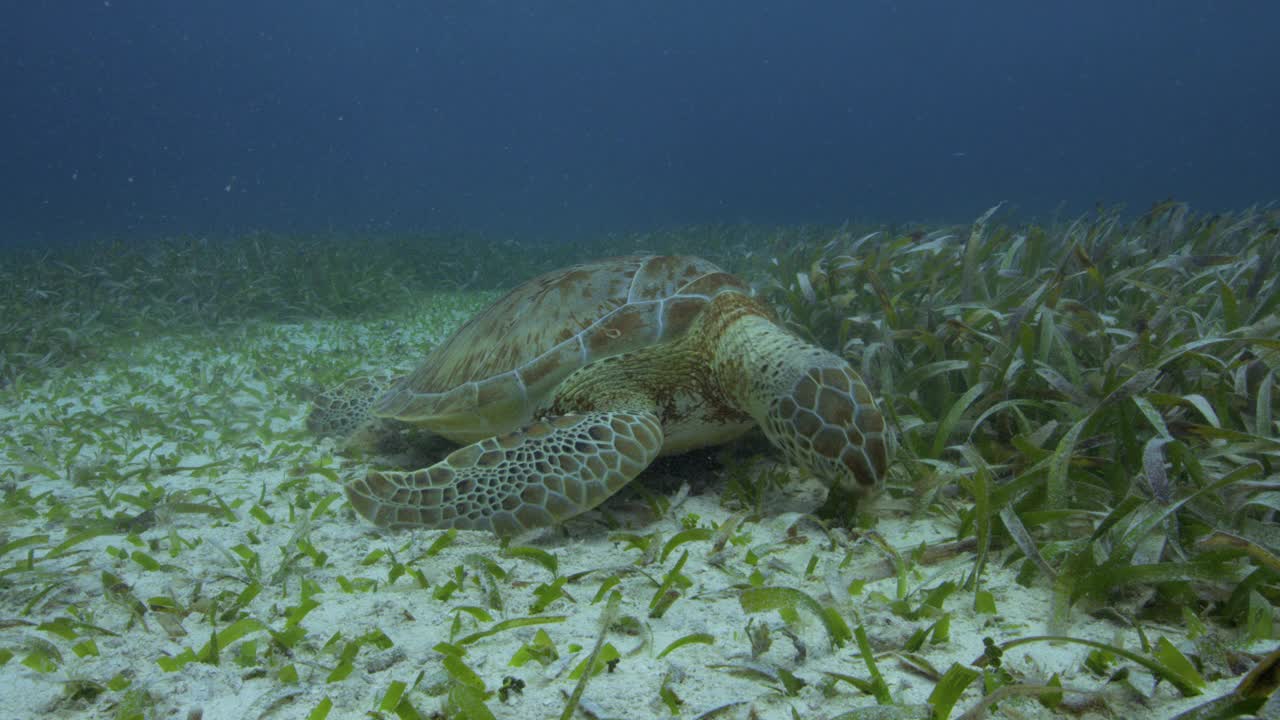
(210, 429)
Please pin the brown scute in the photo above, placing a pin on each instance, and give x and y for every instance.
(535, 494)
(570, 280)
(834, 407)
(630, 449)
(465, 486)
(544, 312)
(787, 407)
(537, 430)
(554, 484)
(806, 391)
(379, 486)
(407, 516)
(807, 424)
(649, 433)
(834, 378)
(829, 442)
(870, 419)
(567, 463)
(439, 476)
(657, 276)
(508, 441)
(404, 496)
(878, 453)
(599, 433)
(854, 435)
(563, 357)
(492, 458)
(560, 506)
(522, 324)
(862, 394)
(630, 325)
(564, 421)
(383, 514)
(679, 313)
(857, 464)
(509, 502)
(596, 466)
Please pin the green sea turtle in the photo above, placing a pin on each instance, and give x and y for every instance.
(570, 385)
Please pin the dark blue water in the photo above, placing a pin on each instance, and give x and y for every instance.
(571, 118)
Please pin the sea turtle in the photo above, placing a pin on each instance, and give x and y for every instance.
(569, 386)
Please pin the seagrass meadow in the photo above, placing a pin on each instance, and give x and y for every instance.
(1080, 520)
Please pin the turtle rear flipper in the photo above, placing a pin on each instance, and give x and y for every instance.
(537, 476)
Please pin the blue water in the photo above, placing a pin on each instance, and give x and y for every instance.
(568, 118)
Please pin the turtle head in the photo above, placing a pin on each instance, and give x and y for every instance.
(808, 400)
(345, 411)
(825, 420)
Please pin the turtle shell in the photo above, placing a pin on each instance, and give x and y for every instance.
(497, 369)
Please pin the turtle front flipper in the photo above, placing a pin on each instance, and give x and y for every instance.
(538, 476)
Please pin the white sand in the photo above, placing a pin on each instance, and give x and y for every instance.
(213, 394)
